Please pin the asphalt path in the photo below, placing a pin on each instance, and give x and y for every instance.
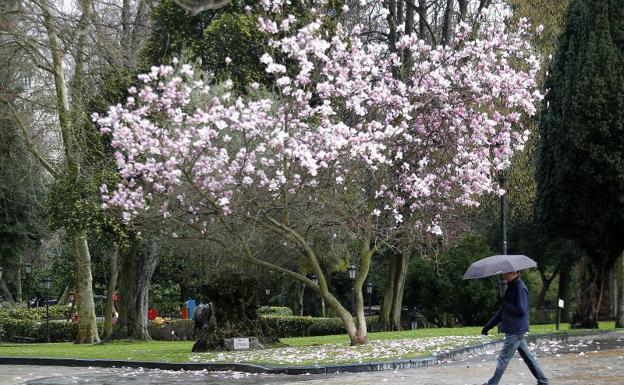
(594, 361)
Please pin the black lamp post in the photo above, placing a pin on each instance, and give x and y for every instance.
(27, 271)
(314, 280)
(267, 291)
(369, 291)
(352, 274)
(47, 282)
(502, 178)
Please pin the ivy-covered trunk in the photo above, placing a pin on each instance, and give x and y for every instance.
(399, 289)
(87, 326)
(564, 291)
(388, 295)
(233, 312)
(591, 283)
(619, 277)
(113, 271)
(138, 266)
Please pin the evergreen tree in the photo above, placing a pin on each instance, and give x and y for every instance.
(580, 173)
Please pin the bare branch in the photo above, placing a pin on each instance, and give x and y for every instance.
(29, 143)
(199, 6)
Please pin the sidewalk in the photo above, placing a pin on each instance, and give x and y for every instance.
(595, 360)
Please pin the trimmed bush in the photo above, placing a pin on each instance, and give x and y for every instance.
(275, 311)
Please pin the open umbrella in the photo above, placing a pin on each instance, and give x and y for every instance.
(498, 264)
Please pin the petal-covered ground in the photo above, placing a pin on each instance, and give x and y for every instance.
(376, 350)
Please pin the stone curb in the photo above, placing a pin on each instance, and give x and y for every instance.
(293, 370)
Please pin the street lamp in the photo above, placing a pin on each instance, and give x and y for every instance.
(1, 271)
(47, 282)
(502, 178)
(27, 271)
(352, 270)
(369, 291)
(267, 291)
(314, 279)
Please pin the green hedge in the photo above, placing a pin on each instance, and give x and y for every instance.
(275, 311)
(30, 323)
(21, 330)
(282, 326)
(297, 326)
(36, 314)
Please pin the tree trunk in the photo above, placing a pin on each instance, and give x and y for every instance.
(546, 282)
(422, 18)
(619, 298)
(323, 307)
(446, 24)
(300, 294)
(6, 293)
(87, 326)
(591, 286)
(126, 292)
(145, 270)
(110, 295)
(184, 293)
(388, 296)
(564, 291)
(463, 9)
(399, 289)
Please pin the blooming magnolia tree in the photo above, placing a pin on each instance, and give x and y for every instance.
(339, 120)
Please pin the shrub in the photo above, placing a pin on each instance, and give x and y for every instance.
(167, 309)
(275, 310)
(182, 330)
(297, 326)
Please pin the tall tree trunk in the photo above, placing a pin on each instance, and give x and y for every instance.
(87, 326)
(388, 295)
(619, 276)
(564, 290)
(591, 287)
(113, 271)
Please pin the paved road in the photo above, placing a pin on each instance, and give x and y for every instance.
(582, 361)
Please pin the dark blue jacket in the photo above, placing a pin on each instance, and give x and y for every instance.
(513, 314)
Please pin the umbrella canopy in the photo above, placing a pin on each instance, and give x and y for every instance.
(498, 264)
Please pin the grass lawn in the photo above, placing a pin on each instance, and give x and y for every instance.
(294, 351)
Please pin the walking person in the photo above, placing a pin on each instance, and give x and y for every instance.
(513, 316)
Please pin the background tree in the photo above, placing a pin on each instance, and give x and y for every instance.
(22, 184)
(581, 145)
